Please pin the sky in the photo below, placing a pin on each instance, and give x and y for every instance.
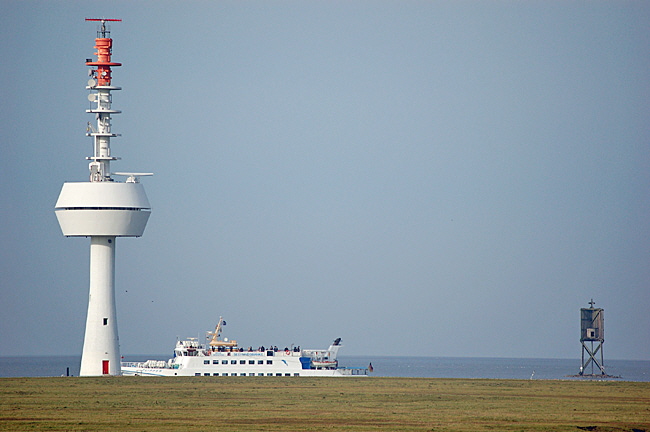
(419, 178)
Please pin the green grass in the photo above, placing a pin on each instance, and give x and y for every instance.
(320, 404)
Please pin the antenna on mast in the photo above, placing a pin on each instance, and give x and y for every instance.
(102, 30)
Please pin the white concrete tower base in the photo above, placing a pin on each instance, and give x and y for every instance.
(101, 350)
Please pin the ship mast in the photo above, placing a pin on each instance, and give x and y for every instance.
(215, 341)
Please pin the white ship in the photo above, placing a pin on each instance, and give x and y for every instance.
(223, 357)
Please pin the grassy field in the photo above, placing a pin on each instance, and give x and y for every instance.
(319, 404)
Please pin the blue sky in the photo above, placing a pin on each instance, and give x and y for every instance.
(417, 177)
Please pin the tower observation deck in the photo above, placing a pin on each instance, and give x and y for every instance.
(102, 209)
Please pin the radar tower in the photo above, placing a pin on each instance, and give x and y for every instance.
(102, 209)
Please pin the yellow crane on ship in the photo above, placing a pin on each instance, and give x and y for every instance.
(216, 334)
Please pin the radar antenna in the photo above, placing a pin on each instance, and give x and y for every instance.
(102, 30)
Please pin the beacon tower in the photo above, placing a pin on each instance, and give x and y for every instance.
(102, 209)
(592, 329)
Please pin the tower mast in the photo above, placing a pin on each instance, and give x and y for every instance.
(101, 83)
(102, 209)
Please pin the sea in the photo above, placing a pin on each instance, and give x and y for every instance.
(413, 367)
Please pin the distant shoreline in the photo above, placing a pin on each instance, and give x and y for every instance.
(384, 366)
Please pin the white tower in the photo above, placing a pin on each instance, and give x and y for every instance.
(102, 209)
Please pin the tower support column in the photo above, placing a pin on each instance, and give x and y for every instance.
(101, 349)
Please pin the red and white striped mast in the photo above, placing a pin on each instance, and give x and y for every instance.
(102, 209)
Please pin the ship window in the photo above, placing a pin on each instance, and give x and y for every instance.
(233, 361)
(269, 374)
(260, 362)
(251, 374)
(287, 374)
(206, 374)
(105, 321)
(215, 374)
(260, 374)
(296, 374)
(242, 361)
(206, 361)
(215, 361)
(269, 362)
(197, 374)
(224, 361)
(278, 374)
(251, 361)
(225, 374)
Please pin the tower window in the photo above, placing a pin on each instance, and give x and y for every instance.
(105, 321)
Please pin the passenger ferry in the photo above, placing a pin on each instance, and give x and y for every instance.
(223, 357)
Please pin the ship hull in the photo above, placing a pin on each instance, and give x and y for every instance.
(269, 363)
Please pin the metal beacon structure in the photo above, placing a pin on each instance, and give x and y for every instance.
(592, 329)
(102, 209)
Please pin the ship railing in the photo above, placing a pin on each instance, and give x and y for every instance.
(353, 370)
(149, 364)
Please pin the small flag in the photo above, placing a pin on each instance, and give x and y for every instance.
(370, 368)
